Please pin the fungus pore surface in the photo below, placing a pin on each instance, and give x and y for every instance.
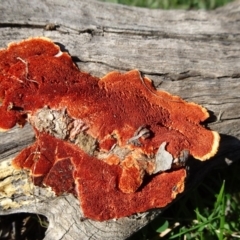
(116, 142)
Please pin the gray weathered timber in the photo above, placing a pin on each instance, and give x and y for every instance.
(194, 54)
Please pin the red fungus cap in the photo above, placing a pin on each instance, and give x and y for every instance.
(95, 182)
(112, 141)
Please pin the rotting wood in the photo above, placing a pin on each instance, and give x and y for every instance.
(193, 54)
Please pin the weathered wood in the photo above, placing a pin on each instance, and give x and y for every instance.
(194, 54)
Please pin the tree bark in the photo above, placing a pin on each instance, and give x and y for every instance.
(193, 54)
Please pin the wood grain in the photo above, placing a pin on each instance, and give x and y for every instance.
(193, 54)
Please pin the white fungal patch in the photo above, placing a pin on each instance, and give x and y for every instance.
(164, 159)
(59, 54)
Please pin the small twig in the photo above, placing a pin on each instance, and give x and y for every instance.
(26, 70)
(142, 131)
(168, 230)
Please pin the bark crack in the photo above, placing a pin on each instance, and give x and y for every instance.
(66, 232)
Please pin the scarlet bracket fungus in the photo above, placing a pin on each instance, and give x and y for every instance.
(116, 143)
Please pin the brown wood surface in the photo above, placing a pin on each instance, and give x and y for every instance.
(193, 54)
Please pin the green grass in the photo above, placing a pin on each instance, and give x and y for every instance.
(173, 4)
(210, 211)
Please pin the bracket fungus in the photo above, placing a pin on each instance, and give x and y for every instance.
(116, 142)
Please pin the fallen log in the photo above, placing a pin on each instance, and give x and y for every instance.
(193, 54)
